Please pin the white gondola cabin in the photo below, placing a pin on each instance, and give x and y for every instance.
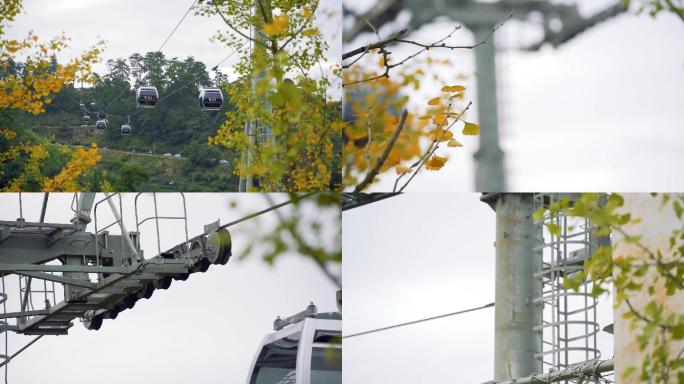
(305, 349)
(210, 99)
(147, 97)
(125, 130)
(101, 124)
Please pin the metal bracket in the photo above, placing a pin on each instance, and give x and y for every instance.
(59, 279)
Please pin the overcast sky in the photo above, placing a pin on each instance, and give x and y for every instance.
(207, 328)
(130, 26)
(415, 256)
(601, 112)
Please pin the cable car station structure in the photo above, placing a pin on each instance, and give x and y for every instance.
(45, 254)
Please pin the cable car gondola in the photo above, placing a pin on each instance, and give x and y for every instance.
(210, 99)
(82, 106)
(125, 130)
(147, 97)
(101, 124)
(305, 349)
(92, 105)
(86, 118)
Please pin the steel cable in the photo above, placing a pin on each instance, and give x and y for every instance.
(419, 321)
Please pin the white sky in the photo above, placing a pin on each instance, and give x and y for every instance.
(207, 327)
(602, 112)
(130, 26)
(415, 256)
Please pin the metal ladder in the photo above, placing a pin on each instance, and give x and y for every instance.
(568, 323)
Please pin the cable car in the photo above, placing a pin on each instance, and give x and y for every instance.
(147, 97)
(86, 117)
(304, 349)
(125, 130)
(210, 99)
(92, 105)
(101, 124)
(82, 106)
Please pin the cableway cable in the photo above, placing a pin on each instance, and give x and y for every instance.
(177, 25)
(138, 110)
(418, 321)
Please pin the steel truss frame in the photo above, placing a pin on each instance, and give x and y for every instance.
(66, 254)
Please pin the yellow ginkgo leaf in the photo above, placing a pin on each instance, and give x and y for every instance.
(425, 117)
(434, 101)
(440, 119)
(454, 143)
(402, 169)
(278, 26)
(453, 88)
(439, 135)
(393, 120)
(435, 163)
(471, 129)
(311, 32)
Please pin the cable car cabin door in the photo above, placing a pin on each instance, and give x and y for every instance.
(320, 355)
(286, 356)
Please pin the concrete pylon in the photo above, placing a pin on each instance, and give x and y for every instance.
(515, 340)
(489, 158)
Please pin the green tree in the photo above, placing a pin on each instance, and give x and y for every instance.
(632, 266)
(654, 7)
(29, 87)
(276, 92)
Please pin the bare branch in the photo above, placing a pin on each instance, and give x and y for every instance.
(374, 172)
(379, 44)
(397, 38)
(228, 23)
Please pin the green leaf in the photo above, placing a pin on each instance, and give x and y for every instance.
(597, 290)
(628, 372)
(678, 209)
(553, 228)
(652, 310)
(471, 129)
(614, 201)
(678, 331)
(624, 219)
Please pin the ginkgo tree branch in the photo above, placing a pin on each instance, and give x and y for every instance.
(382, 45)
(233, 28)
(304, 248)
(381, 160)
(432, 148)
(659, 263)
(369, 127)
(675, 9)
(301, 29)
(376, 45)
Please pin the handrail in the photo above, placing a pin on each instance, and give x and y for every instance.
(156, 217)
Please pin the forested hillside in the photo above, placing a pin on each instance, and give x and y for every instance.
(168, 147)
(176, 126)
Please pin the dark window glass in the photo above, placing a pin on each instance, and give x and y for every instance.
(277, 362)
(328, 337)
(326, 365)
